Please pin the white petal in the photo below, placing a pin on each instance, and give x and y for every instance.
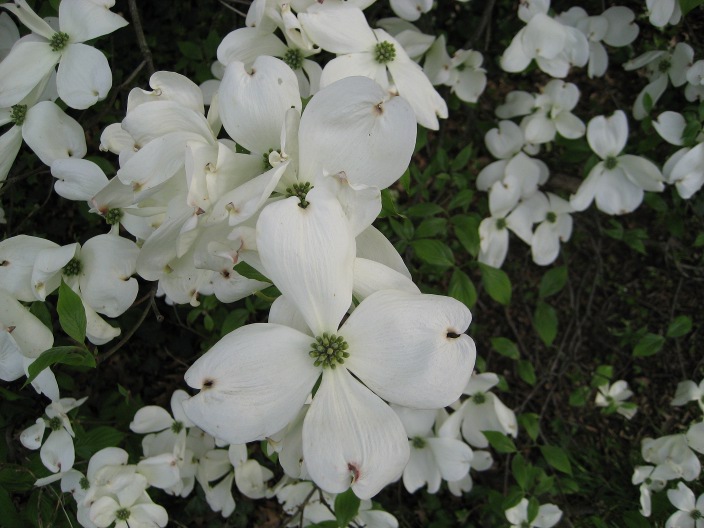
(28, 332)
(686, 391)
(52, 134)
(77, 179)
(354, 64)
(516, 58)
(352, 116)
(569, 125)
(253, 104)
(159, 118)
(670, 126)
(642, 172)
(421, 469)
(616, 193)
(654, 89)
(452, 456)
(588, 188)
(410, 349)
(416, 422)
(250, 478)
(338, 29)
(84, 76)
(371, 276)
(252, 383)
(98, 331)
(309, 254)
(23, 69)
(10, 143)
(57, 453)
(32, 437)
(246, 44)
(546, 244)
(505, 141)
(29, 18)
(352, 438)
(161, 471)
(622, 29)
(151, 419)
(150, 514)
(11, 359)
(373, 245)
(284, 312)
(48, 266)
(607, 136)
(86, 19)
(681, 498)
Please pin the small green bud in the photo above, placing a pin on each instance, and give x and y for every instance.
(58, 41)
(479, 398)
(501, 223)
(384, 52)
(177, 426)
(610, 163)
(418, 442)
(265, 159)
(328, 350)
(551, 217)
(122, 514)
(113, 216)
(300, 190)
(73, 267)
(664, 65)
(55, 423)
(84, 483)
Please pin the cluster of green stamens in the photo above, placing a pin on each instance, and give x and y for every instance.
(696, 515)
(417, 442)
(610, 162)
(300, 190)
(122, 514)
(54, 423)
(84, 483)
(18, 113)
(384, 52)
(265, 160)
(501, 223)
(551, 217)
(478, 398)
(73, 267)
(664, 65)
(329, 350)
(113, 216)
(294, 58)
(58, 41)
(177, 426)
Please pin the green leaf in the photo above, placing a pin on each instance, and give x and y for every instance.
(688, 5)
(346, 507)
(699, 241)
(520, 471)
(9, 395)
(41, 312)
(557, 458)
(190, 50)
(649, 345)
(431, 227)
(10, 517)
(72, 315)
(96, 439)
(423, 209)
(545, 322)
(505, 347)
(248, 272)
(497, 283)
(552, 282)
(233, 321)
(526, 372)
(461, 160)
(578, 397)
(461, 199)
(15, 478)
(462, 288)
(467, 232)
(66, 355)
(500, 442)
(433, 252)
(680, 326)
(388, 204)
(530, 422)
(533, 508)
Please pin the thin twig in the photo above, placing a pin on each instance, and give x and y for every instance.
(483, 24)
(141, 40)
(102, 357)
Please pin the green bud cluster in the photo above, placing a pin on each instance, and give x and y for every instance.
(177, 426)
(84, 483)
(122, 514)
(265, 160)
(664, 65)
(58, 41)
(294, 58)
(417, 442)
(384, 52)
(479, 398)
(610, 162)
(300, 190)
(501, 223)
(329, 350)
(696, 515)
(73, 267)
(551, 217)
(55, 423)
(18, 114)
(113, 216)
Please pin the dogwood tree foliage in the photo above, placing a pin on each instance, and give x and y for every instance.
(269, 179)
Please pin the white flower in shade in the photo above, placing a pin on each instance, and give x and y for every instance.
(663, 12)
(688, 391)
(411, 9)
(548, 516)
(552, 113)
(662, 67)
(462, 72)
(690, 514)
(128, 507)
(616, 183)
(57, 451)
(84, 75)
(414, 41)
(643, 475)
(695, 82)
(434, 457)
(613, 398)
(343, 29)
(672, 456)
(394, 342)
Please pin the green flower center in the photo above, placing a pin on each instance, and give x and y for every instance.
(664, 65)
(300, 191)
(551, 217)
(501, 223)
(610, 162)
(18, 113)
(294, 58)
(177, 427)
(55, 423)
(329, 350)
(696, 515)
(58, 41)
(113, 216)
(384, 52)
(122, 514)
(479, 398)
(525, 524)
(265, 160)
(418, 442)
(73, 267)
(461, 67)
(84, 483)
